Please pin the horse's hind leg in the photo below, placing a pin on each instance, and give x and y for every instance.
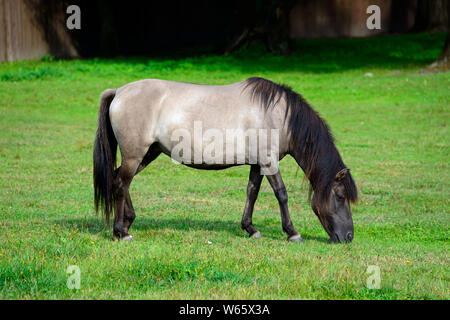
(254, 183)
(129, 213)
(122, 183)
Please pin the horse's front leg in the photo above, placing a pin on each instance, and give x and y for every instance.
(280, 192)
(254, 183)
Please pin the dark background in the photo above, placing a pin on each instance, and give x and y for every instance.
(30, 28)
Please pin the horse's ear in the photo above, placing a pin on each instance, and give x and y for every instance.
(341, 174)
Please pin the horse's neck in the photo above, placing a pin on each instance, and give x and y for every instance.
(320, 168)
(301, 162)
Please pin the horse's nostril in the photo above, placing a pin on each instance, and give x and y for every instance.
(349, 236)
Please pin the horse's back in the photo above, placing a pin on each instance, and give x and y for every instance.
(153, 110)
(166, 103)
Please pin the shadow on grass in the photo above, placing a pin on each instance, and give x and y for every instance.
(310, 55)
(314, 56)
(94, 226)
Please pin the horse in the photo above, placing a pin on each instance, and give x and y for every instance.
(149, 117)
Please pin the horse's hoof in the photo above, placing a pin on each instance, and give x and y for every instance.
(295, 238)
(256, 235)
(128, 238)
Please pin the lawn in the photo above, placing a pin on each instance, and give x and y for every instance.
(392, 129)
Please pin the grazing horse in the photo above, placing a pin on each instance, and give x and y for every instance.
(148, 117)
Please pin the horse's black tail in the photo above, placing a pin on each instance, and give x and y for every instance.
(105, 150)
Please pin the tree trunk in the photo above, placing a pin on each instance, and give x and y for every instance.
(445, 55)
(444, 58)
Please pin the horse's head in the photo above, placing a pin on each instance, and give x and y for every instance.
(335, 214)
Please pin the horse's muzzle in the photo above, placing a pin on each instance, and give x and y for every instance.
(336, 238)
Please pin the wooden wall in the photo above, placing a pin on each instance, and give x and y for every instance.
(25, 35)
(19, 37)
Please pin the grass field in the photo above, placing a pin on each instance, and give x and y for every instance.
(392, 130)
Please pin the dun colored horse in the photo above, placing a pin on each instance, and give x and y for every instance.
(150, 117)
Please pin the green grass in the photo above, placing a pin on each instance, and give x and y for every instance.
(392, 130)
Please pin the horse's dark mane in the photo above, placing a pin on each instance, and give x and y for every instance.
(311, 140)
